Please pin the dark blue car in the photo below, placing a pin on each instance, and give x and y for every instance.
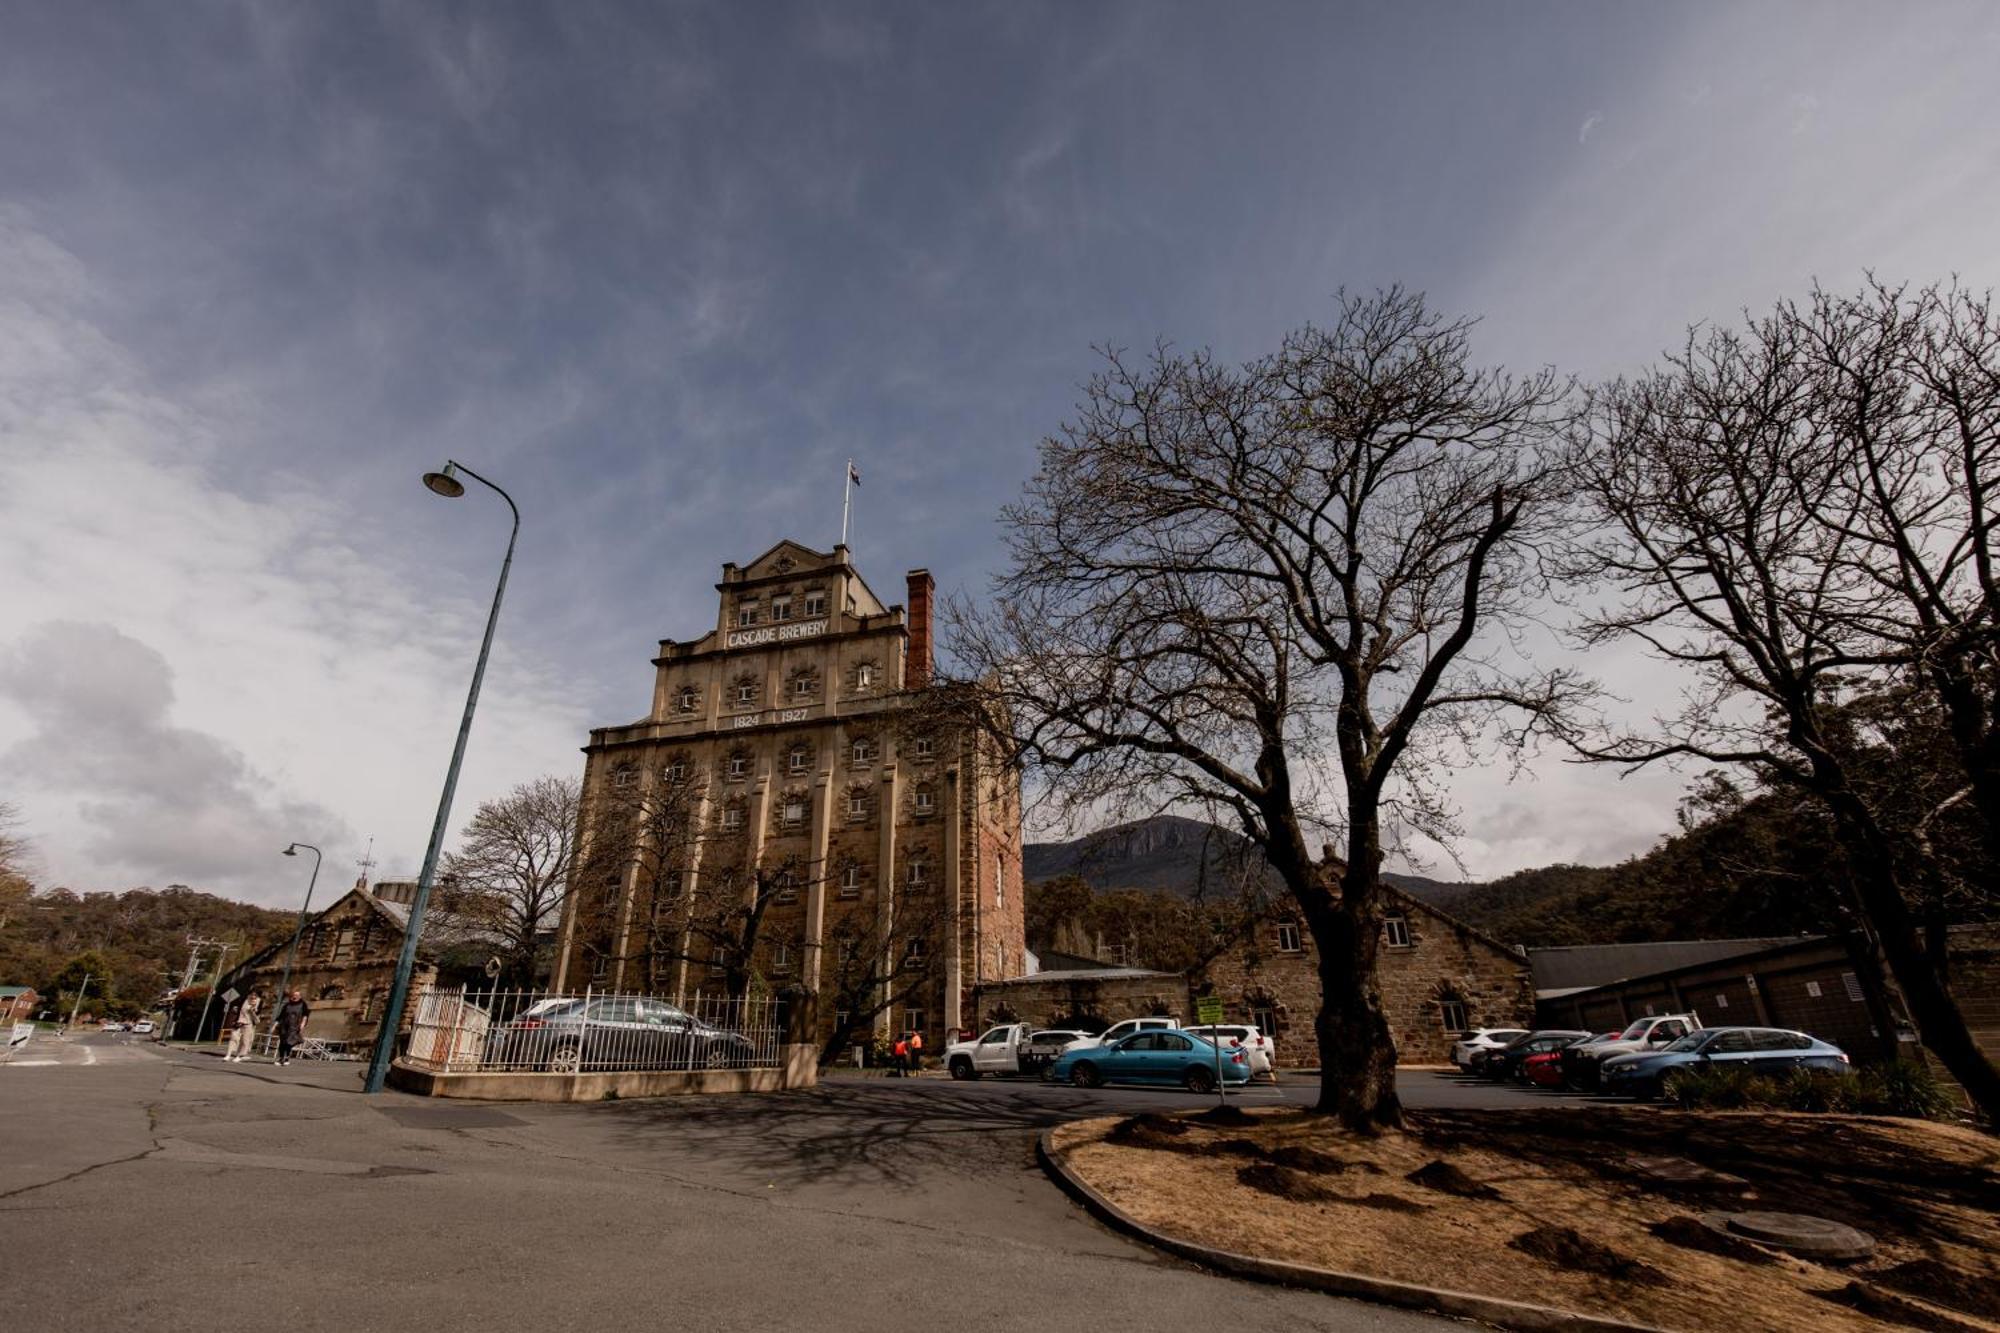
(1159, 1056)
(1762, 1050)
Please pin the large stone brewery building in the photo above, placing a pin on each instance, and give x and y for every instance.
(792, 734)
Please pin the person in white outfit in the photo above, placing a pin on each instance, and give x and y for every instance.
(246, 1030)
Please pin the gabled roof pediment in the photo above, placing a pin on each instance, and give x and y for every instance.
(786, 557)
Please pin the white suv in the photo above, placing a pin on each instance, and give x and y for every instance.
(1119, 1031)
(1482, 1039)
(1263, 1051)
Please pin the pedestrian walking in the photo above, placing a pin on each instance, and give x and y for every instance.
(900, 1058)
(916, 1052)
(292, 1016)
(243, 1041)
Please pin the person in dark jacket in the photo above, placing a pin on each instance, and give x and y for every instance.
(292, 1016)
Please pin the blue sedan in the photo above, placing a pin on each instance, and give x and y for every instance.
(1769, 1051)
(1159, 1056)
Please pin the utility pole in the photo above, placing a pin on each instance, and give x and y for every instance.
(75, 1008)
(195, 945)
(222, 952)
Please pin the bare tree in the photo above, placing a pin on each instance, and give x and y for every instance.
(1802, 513)
(868, 968)
(677, 891)
(1281, 593)
(511, 873)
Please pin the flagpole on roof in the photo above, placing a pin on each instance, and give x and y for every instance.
(848, 480)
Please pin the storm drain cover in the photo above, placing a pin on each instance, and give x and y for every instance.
(1796, 1233)
(450, 1117)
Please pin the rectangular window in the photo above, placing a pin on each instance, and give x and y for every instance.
(1288, 937)
(788, 890)
(850, 882)
(781, 608)
(622, 776)
(999, 882)
(864, 751)
(746, 692)
(1396, 929)
(781, 957)
(921, 747)
(1453, 1014)
(732, 818)
(1722, 1001)
(913, 1020)
(676, 772)
(1812, 989)
(914, 955)
(920, 874)
(797, 761)
(738, 766)
(746, 613)
(924, 806)
(857, 805)
(687, 700)
(804, 687)
(795, 812)
(864, 676)
(1853, 984)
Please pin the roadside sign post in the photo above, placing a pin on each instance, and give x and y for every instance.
(1208, 1012)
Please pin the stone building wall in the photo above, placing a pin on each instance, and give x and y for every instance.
(344, 967)
(1273, 981)
(1098, 996)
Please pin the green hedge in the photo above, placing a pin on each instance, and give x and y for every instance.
(1901, 1088)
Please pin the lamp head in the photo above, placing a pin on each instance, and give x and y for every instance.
(292, 850)
(445, 483)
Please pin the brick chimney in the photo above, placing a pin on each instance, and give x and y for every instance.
(917, 666)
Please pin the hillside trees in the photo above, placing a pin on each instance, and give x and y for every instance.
(1273, 592)
(1803, 514)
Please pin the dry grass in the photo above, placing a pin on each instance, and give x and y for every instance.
(1294, 1187)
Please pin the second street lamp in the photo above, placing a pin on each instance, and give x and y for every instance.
(285, 986)
(447, 484)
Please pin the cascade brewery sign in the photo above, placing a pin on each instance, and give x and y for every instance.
(750, 638)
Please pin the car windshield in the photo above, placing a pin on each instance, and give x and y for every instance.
(1691, 1042)
(1636, 1031)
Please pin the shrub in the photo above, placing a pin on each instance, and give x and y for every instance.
(1816, 1090)
(1903, 1087)
(1720, 1088)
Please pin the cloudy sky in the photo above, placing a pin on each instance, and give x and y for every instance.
(661, 269)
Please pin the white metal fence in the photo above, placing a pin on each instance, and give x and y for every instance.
(471, 1031)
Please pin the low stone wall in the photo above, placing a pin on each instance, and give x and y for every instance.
(800, 1070)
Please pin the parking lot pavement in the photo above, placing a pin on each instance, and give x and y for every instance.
(1420, 1089)
(140, 1194)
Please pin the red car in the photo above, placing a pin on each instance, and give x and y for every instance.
(1545, 1070)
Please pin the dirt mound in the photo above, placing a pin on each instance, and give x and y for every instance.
(1150, 1130)
(1301, 1158)
(1565, 1248)
(1389, 1203)
(1692, 1235)
(1237, 1148)
(1226, 1115)
(1448, 1179)
(1284, 1182)
(1893, 1309)
(1945, 1285)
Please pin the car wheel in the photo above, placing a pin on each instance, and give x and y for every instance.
(566, 1058)
(1085, 1075)
(1198, 1080)
(962, 1070)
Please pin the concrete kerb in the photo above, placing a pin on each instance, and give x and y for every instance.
(1405, 1295)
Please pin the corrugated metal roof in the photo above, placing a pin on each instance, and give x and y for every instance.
(1582, 966)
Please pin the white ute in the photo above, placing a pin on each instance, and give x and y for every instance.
(1011, 1048)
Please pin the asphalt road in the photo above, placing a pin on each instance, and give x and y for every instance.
(143, 1189)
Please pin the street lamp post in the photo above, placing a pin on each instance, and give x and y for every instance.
(291, 950)
(447, 484)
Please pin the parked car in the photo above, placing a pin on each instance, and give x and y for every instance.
(1154, 1056)
(1544, 1069)
(1263, 1051)
(1582, 1063)
(143, 1027)
(1505, 1063)
(615, 1032)
(1765, 1050)
(1482, 1040)
(1010, 1048)
(1119, 1031)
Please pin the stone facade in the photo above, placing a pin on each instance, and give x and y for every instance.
(1437, 977)
(344, 966)
(792, 736)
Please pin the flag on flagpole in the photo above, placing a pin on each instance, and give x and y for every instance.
(853, 473)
